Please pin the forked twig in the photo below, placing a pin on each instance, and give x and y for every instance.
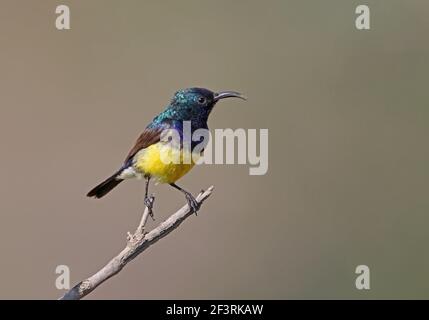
(137, 243)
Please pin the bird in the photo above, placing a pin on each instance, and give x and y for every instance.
(144, 160)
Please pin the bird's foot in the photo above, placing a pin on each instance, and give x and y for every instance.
(148, 202)
(192, 203)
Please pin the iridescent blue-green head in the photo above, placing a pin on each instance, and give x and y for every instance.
(195, 104)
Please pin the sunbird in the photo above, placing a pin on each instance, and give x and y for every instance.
(144, 159)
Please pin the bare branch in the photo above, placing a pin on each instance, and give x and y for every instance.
(137, 243)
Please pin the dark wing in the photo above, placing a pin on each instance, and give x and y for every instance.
(148, 137)
(151, 135)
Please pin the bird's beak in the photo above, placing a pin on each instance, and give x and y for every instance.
(228, 94)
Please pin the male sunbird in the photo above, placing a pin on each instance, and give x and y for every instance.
(145, 159)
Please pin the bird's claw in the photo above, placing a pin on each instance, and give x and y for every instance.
(192, 203)
(148, 201)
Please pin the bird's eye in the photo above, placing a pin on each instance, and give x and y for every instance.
(201, 100)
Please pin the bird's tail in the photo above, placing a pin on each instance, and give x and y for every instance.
(106, 186)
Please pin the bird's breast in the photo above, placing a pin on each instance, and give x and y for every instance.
(166, 164)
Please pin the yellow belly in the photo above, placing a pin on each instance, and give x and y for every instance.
(164, 164)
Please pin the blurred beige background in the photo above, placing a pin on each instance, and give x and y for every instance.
(348, 117)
